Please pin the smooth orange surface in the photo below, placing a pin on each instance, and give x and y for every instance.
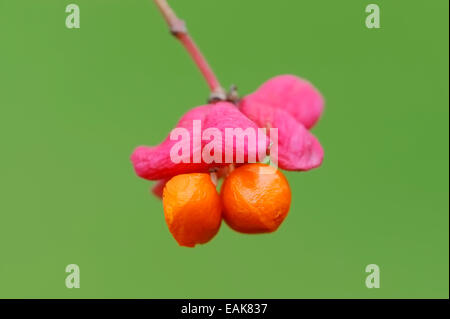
(255, 198)
(192, 208)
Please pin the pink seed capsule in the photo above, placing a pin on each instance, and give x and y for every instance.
(192, 135)
(292, 105)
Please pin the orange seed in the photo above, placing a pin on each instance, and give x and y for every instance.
(255, 198)
(192, 208)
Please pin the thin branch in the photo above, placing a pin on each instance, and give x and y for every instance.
(178, 29)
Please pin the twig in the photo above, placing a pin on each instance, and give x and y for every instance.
(179, 30)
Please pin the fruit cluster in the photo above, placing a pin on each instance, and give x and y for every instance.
(254, 197)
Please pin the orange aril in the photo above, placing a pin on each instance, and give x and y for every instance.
(255, 198)
(192, 208)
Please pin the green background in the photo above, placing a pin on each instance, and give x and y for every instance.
(74, 104)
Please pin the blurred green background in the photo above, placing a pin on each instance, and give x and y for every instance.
(74, 104)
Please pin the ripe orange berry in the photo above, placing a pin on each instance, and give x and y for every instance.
(192, 208)
(255, 198)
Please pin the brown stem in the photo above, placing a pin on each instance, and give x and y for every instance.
(178, 29)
